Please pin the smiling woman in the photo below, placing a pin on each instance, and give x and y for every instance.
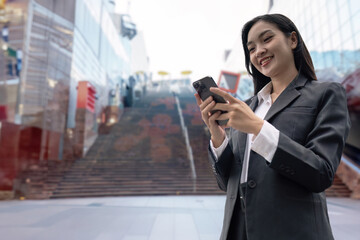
(270, 52)
(284, 144)
(278, 30)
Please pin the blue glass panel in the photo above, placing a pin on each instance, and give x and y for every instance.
(357, 41)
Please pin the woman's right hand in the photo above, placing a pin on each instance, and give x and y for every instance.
(217, 132)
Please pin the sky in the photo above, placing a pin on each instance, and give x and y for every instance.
(190, 35)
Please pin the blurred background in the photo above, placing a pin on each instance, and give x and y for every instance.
(96, 96)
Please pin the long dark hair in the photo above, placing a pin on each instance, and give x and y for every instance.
(302, 57)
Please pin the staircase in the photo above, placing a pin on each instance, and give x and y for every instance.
(338, 189)
(41, 179)
(144, 154)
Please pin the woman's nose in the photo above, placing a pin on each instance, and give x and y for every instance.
(260, 51)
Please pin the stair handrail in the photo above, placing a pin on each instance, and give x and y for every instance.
(186, 136)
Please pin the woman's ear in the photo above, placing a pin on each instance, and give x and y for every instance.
(293, 40)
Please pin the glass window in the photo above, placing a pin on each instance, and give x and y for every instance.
(316, 22)
(336, 39)
(354, 6)
(333, 57)
(293, 13)
(346, 33)
(329, 60)
(313, 8)
(95, 6)
(322, 4)
(323, 14)
(321, 61)
(326, 44)
(309, 28)
(307, 3)
(357, 41)
(317, 41)
(344, 14)
(356, 22)
(301, 26)
(310, 44)
(333, 23)
(326, 63)
(79, 13)
(314, 58)
(308, 18)
(342, 2)
(349, 60)
(332, 7)
(325, 31)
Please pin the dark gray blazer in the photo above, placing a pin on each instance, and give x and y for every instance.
(285, 199)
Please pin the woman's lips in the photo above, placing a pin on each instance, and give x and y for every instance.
(265, 61)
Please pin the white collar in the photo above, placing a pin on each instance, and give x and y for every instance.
(265, 93)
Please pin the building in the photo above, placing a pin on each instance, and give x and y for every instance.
(331, 31)
(63, 67)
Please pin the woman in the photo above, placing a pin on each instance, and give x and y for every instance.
(284, 144)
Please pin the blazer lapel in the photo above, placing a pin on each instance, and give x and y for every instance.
(286, 97)
(254, 102)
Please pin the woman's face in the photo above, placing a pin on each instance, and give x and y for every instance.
(270, 50)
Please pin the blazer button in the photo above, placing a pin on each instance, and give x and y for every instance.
(251, 184)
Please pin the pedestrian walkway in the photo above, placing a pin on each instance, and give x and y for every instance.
(140, 218)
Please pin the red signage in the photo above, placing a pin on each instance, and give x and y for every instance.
(229, 81)
(86, 96)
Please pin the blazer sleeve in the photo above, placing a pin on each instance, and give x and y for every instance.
(313, 165)
(222, 166)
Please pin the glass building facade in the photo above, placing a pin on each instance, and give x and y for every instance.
(331, 31)
(63, 65)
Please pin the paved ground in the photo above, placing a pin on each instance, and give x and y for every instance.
(139, 218)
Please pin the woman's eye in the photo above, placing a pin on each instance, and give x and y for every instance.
(251, 49)
(267, 39)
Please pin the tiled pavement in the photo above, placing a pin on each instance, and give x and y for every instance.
(139, 218)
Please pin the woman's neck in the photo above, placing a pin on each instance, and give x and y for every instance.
(279, 83)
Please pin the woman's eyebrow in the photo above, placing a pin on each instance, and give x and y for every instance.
(260, 35)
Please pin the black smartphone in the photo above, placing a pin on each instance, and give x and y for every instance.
(203, 86)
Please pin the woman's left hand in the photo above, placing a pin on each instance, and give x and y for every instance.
(240, 115)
